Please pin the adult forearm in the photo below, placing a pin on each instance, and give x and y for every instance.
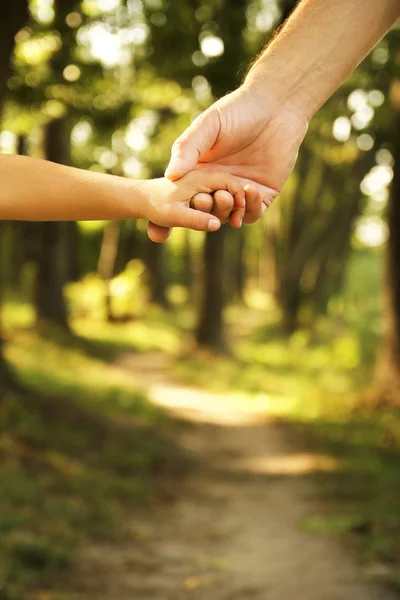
(38, 190)
(319, 46)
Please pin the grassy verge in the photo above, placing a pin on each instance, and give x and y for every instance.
(67, 475)
(316, 390)
(76, 454)
(364, 495)
(313, 381)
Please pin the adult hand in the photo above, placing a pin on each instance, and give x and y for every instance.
(249, 133)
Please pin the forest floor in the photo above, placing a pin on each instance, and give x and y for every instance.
(271, 478)
(236, 527)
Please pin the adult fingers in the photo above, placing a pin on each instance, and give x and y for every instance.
(254, 205)
(268, 194)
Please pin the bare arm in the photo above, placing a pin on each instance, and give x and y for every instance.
(321, 44)
(256, 131)
(37, 190)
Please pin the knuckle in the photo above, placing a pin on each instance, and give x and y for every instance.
(225, 205)
(224, 199)
(203, 204)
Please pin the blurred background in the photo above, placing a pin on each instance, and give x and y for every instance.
(299, 313)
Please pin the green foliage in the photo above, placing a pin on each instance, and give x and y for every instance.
(68, 466)
(315, 370)
(126, 94)
(312, 382)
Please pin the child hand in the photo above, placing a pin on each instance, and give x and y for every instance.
(222, 206)
(168, 203)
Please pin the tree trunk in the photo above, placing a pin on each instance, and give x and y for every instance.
(388, 372)
(6, 380)
(235, 267)
(51, 275)
(210, 327)
(155, 262)
(231, 20)
(290, 261)
(240, 264)
(73, 239)
(19, 235)
(188, 265)
(108, 255)
(13, 15)
(53, 268)
(133, 247)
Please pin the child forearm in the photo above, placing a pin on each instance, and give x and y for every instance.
(38, 190)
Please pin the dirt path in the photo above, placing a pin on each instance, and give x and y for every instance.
(234, 532)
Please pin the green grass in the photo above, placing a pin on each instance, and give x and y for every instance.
(65, 475)
(314, 382)
(66, 478)
(368, 486)
(76, 452)
(58, 364)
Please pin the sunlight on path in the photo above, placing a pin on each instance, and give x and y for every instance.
(234, 410)
(234, 530)
(152, 371)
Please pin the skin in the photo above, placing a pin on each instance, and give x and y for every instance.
(68, 194)
(255, 132)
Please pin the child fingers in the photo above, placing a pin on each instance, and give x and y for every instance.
(223, 205)
(157, 233)
(203, 202)
(190, 218)
(220, 204)
(225, 181)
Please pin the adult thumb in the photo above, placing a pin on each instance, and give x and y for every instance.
(198, 139)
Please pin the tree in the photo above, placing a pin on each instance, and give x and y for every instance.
(12, 17)
(387, 389)
(52, 256)
(223, 76)
(229, 21)
(155, 263)
(310, 230)
(107, 260)
(210, 330)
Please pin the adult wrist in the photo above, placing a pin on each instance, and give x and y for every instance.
(277, 85)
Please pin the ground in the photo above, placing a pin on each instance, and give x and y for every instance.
(235, 529)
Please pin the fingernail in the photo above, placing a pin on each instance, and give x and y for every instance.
(241, 221)
(213, 224)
